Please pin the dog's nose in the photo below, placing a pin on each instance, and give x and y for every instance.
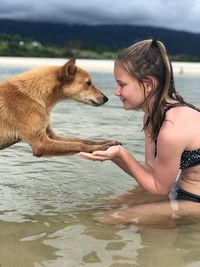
(105, 99)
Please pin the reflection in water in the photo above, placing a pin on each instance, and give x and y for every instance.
(48, 205)
(18, 248)
(75, 239)
(170, 247)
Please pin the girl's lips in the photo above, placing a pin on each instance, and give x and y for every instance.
(122, 99)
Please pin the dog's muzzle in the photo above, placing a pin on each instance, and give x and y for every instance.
(103, 100)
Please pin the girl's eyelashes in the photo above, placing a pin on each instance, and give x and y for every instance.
(121, 83)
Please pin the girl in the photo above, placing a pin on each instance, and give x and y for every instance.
(144, 79)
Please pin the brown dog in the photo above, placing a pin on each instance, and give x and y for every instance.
(27, 99)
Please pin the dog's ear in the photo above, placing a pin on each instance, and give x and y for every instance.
(67, 72)
(70, 67)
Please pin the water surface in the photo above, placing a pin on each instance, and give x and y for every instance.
(47, 204)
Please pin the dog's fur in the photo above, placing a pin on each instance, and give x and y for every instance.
(27, 99)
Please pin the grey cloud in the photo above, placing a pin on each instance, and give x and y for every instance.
(172, 14)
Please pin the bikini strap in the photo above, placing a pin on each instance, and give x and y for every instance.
(179, 104)
(165, 110)
(174, 106)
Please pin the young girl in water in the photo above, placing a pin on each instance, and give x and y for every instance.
(144, 79)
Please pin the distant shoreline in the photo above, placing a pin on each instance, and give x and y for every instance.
(93, 65)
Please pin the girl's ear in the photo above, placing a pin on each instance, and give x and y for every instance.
(150, 84)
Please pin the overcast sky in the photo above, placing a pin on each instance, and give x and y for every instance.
(172, 14)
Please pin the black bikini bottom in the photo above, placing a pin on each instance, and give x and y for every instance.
(184, 195)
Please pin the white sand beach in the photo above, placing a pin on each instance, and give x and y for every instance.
(87, 64)
(93, 65)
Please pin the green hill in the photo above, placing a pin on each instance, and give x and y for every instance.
(25, 38)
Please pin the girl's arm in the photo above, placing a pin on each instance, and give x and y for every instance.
(149, 153)
(157, 175)
(158, 179)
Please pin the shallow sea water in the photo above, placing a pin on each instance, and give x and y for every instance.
(47, 204)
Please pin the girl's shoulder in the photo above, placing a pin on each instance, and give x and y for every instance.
(179, 126)
(180, 113)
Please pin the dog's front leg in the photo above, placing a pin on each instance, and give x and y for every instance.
(52, 135)
(44, 146)
(59, 137)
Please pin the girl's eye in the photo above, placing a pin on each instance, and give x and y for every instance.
(121, 85)
(89, 83)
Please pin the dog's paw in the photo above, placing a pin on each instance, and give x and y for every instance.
(103, 145)
(113, 143)
(108, 144)
(117, 143)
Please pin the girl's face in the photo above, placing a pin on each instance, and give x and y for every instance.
(128, 89)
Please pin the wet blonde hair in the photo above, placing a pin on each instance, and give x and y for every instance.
(149, 58)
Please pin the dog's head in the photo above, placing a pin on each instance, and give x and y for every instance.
(77, 85)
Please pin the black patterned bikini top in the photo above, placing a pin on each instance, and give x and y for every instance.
(189, 158)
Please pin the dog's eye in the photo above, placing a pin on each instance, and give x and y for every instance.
(89, 83)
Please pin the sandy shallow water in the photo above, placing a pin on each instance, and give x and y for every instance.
(47, 205)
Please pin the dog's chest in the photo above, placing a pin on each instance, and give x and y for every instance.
(8, 137)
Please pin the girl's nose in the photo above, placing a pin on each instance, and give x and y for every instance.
(117, 91)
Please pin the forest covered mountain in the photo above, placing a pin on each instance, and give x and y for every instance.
(111, 36)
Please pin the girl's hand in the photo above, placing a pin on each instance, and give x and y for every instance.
(109, 154)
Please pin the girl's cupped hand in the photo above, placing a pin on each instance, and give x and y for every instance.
(109, 154)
